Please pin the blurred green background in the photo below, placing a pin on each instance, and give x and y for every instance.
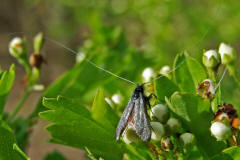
(151, 32)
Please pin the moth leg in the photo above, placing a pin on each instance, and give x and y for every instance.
(147, 100)
(151, 96)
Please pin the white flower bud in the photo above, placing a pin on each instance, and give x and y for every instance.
(117, 98)
(187, 139)
(16, 47)
(147, 74)
(80, 57)
(38, 87)
(206, 89)
(174, 125)
(130, 135)
(165, 70)
(226, 52)
(211, 59)
(220, 131)
(158, 131)
(160, 112)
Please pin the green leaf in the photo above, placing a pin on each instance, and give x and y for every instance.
(74, 85)
(103, 113)
(91, 156)
(6, 82)
(195, 154)
(190, 74)
(164, 87)
(54, 156)
(74, 126)
(139, 152)
(8, 148)
(196, 117)
(20, 152)
(69, 104)
(20, 127)
(231, 153)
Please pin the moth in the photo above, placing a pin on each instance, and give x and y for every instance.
(135, 114)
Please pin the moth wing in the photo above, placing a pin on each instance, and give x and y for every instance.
(141, 118)
(124, 118)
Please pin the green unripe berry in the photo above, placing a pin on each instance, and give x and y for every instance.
(160, 112)
(187, 139)
(174, 125)
(130, 136)
(158, 131)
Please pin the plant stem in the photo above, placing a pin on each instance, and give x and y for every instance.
(212, 74)
(19, 105)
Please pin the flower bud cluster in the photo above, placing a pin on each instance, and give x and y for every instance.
(225, 55)
(18, 49)
(32, 63)
(164, 128)
(225, 121)
(148, 73)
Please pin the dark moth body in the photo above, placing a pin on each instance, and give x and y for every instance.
(135, 114)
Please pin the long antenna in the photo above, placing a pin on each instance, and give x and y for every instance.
(115, 75)
(224, 73)
(92, 63)
(107, 71)
(174, 69)
(195, 45)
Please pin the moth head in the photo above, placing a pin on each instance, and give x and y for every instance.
(139, 88)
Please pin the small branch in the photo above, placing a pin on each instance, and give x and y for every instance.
(19, 105)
